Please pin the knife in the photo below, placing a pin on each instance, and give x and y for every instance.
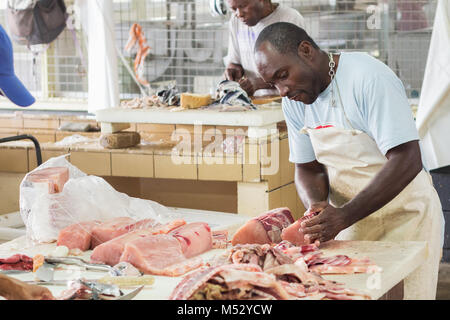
(127, 296)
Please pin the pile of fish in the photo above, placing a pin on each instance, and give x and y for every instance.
(231, 97)
(168, 97)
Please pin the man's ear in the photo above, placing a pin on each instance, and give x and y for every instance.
(305, 50)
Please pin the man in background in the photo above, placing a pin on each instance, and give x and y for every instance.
(249, 19)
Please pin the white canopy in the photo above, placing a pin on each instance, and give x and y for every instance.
(103, 66)
(433, 114)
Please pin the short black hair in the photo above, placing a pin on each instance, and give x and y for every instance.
(285, 37)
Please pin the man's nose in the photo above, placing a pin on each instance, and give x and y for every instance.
(283, 90)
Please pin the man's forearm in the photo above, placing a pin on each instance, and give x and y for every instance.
(261, 84)
(394, 176)
(6, 284)
(311, 181)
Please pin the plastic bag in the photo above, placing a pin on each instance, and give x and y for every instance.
(83, 198)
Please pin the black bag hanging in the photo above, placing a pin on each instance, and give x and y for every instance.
(34, 22)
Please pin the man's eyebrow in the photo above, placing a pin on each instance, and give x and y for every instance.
(274, 75)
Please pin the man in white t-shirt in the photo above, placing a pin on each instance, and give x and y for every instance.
(356, 149)
(249, 19)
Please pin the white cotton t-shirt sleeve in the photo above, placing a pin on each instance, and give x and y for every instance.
(387, 111)
(300, 147)
(233, 55)
(292, 16)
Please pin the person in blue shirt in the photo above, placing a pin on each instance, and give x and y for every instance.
(13, 89)
(355, 146)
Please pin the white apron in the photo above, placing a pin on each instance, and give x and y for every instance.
(352, 159)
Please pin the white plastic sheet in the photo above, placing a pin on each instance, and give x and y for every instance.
(433, 114)
(83, 198)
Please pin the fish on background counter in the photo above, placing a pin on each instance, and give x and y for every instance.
(166, 97)
(230, 96)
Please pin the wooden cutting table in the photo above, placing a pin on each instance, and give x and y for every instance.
(397, 260)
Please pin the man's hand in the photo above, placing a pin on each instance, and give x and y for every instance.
(248, 85)
(234, 72)
(324, 226)
(18, 290)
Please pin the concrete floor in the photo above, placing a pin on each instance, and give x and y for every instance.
(443, 289)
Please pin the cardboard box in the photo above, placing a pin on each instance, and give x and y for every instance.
(95, 163)
(32, 123)
(41, 135)
(133, 127)
(10, 191)
(270, 163)
(252, 164)
(128, 185)
(275, 199)
(59, 135)
(201, 129)
(289, 199)
(11, 121)
(180, 167)
(132, 165)
(220, 168)
(253, 198)
(287, 169)
(204, 195)
(165, 137)
(155, 128)
(231, 130)
(45, 154)
(8, 132)
(300, 207)
(13, 159)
